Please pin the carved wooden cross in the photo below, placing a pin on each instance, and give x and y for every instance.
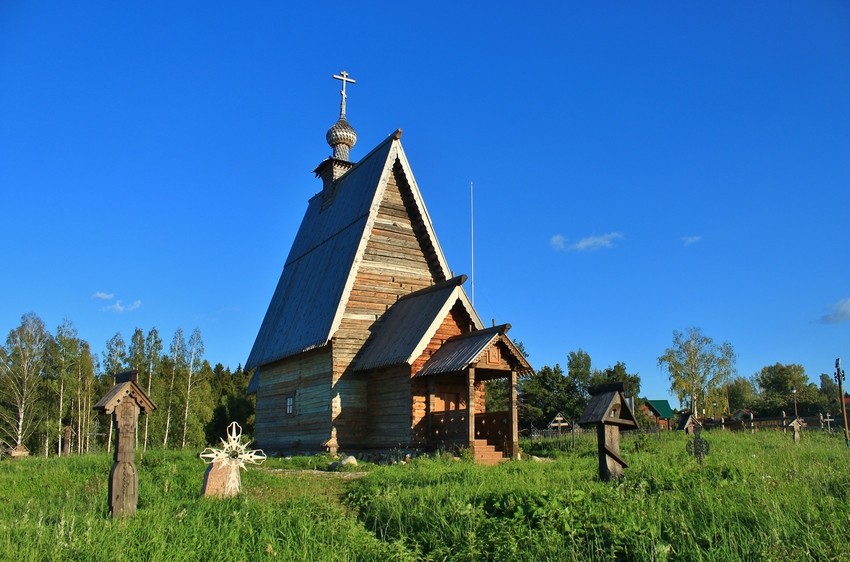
(124, 402)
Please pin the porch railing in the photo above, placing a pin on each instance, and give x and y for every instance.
(451, 428)
(448, 428)
(495, 427)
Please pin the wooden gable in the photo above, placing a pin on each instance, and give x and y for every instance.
(455, 323)
(398, 259)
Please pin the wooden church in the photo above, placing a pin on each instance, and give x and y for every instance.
(369, 342)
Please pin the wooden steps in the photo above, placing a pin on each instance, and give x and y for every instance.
(486, 453)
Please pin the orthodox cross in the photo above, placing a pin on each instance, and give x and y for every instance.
(343, 77)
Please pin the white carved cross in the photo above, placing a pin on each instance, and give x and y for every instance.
(234, 452)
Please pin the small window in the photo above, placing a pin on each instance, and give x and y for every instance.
(290, 405)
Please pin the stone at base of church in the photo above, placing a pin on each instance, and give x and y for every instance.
(222, 480)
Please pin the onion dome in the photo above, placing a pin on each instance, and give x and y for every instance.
(341, 137)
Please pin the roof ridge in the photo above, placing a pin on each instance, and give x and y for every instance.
(454, 281)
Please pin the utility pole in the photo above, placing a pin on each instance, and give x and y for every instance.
(839, 378)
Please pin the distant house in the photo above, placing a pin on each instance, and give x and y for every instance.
(370, 341)
(659, 411)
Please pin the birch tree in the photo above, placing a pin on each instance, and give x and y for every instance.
(86, 372)
(114, 361)
(67, 355)
(153, 358)
(695, 365)
(22, 364)
(196, 353)
(177, 353)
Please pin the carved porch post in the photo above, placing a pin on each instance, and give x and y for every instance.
(513, 418)
(470, 408)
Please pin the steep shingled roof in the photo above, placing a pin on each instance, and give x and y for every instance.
(310, 297)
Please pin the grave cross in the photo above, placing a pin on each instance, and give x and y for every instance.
(124, 401)
(222, 478)
(699, 447)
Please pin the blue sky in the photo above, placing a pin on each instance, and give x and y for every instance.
(638, 167)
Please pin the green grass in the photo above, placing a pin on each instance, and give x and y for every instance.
(756, 497)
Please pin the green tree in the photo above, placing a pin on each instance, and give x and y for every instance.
(115, 356)
(194, 379)
(86, 371)
(550, 390)
(618, 373)
(696, 365)
(233, 402)
(66, 357)
(542, 395)
(153, 359)
(23, 361)
(740, 394)
(179, 360)
(781, 385)
(829, 391)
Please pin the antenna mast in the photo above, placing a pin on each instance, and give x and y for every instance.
(472, 241)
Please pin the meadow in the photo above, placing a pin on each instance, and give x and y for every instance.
(755, 497)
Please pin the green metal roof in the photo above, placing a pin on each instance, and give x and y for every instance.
(662, 408)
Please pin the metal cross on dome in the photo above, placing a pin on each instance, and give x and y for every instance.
(343, 76)
(235, 452)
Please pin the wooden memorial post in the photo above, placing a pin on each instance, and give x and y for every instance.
(124, 401)
(608, 411)
(67, 434)
(689, 424)
(797, 425)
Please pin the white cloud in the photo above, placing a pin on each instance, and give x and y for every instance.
(592, 243)
(103, 296)
(840, 313)
(558, 242)
(118, 307)
(688, 240)
(588, 244)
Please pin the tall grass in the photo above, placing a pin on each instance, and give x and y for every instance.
(756, 497)
(55, 509)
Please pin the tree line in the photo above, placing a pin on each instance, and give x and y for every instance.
(49, 384)
(702, 375)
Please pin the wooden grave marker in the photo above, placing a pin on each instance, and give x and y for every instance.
(124, 401)
(608, 411)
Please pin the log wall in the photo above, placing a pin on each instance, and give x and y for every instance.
(389, 419)
(307, 377)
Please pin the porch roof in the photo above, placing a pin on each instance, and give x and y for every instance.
(407, 327)
(459, 352)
